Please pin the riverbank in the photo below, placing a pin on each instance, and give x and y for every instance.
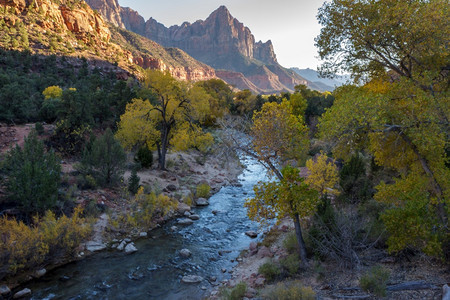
(185, 172)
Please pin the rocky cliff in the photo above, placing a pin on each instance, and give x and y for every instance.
(72, 28)
(222, 42)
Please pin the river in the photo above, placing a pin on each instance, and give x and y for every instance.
(155, 271)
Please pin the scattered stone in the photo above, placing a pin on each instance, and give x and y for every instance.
(130, 248)
(40, 273)
(127, 240)
(213, 278)
(203, 288)
(191, 279)
(253, 246)
(194, 217)
(122, 245)
(239, 259)
(94, 246)
(224, 270)
(187, 214)
(215, 212)
(185, 221)
(260, 281)
(143, 234)
(173, 228)
(81, 253)
(251, 234)
(171, 187)
(4, 290)
(22, 293)
(201, 202)
(445, 292)
(264, 252)
(64, 278)
(185, 253)
(182, 208)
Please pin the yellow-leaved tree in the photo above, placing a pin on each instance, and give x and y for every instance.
(323, 175)
(280, 137)
(400, 52)
(167, 118)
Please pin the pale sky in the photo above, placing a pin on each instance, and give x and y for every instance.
(290, 24)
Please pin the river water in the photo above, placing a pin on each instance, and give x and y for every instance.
(155, 271)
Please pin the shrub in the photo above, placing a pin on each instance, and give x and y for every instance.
(375, 280)
(289, 291)
(236, 293)
(133, 182)
(27, 247)
(104, 160)
(354, 181)
(144, 156)
(290, 243)
(203, 190)
(33, 175)
(269, 270)
(39, 128)
(291, 264)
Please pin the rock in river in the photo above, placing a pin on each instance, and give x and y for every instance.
(201, 202)
(185, 253)
(191, 279)
(130, 248)
(251, 234)
(185, 221)
(22, 293)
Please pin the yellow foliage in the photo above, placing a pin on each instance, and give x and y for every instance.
(25, 247)
(323, 175)
(53, 92)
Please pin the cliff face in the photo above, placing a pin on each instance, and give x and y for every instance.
(72, 28)
(222, 42)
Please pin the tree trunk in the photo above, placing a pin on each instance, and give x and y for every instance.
(164, 145)
(301, 242)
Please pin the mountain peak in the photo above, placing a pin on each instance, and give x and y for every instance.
(222, 11)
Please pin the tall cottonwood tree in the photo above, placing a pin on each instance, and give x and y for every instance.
(279, 137)
(167, 118)
(400, 52)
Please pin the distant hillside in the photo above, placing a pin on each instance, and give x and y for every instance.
(319, 83)
(220, 41)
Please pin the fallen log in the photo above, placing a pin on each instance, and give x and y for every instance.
(411, 285)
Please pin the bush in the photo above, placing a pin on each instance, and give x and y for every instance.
(203, 190)
(133, 182)
(104, 160)
(375, 280)
(354, 181)
(269, 270)
(144, 156)
(290, 243)
(27, 247)
(236, 293)
(39, 128)
(33, 175)
(291, 264)
(289, 291)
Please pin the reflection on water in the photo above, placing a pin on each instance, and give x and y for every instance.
(155, 271)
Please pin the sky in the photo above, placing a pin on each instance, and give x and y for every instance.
(291, 25)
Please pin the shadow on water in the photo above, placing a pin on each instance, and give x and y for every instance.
(155, 271)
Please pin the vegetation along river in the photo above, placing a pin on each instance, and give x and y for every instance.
(156, 269)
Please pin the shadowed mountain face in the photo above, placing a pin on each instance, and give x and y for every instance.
(220, 41)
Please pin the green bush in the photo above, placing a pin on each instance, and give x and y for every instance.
(375, 280)
(289, 291)
(39, 128)
(33, 175)
(291, 264)
(269, 270)
(203, 190)
(104, 160)
(236, 293)
(144, 156)
(290, 243)
(133, 182)
(354, 181)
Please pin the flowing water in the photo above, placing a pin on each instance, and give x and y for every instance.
(155, 271)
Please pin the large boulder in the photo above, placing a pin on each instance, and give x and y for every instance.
(130, 248)
(94, 246)
(185, 221)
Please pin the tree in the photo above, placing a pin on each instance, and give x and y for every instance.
(323, 175)
(399, 50)
(104, 160)
(33, 175)
(289, 196)
(278, 137)
(167, 118)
